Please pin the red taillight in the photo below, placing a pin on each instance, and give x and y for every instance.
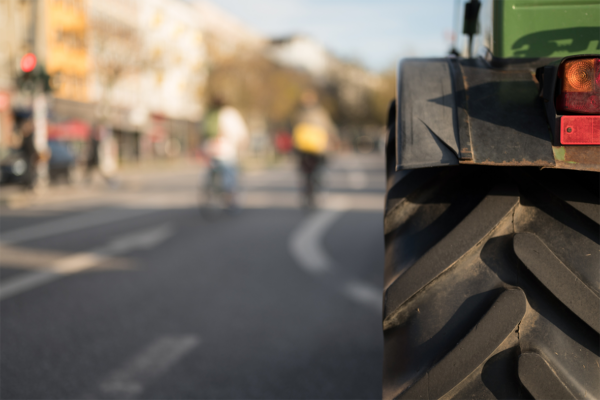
(580, 129)
(580, 86)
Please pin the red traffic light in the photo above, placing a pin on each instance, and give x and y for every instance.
(28, 62)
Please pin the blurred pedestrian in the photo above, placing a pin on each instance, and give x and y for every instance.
(314, 135)
(26, 130)
(93, 158)
(225, 133)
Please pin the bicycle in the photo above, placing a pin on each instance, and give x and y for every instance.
(216, 194)
(310, 166)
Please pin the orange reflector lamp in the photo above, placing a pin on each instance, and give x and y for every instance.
(580, 129)
(580, 86)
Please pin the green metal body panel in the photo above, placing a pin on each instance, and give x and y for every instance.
(541, 28)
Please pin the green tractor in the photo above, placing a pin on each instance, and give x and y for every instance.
(492, 219)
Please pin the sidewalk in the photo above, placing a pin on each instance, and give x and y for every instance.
(130, 181)
(128, 178)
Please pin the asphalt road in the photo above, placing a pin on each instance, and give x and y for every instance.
(129, 293)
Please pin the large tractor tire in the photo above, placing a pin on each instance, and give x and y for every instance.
(492, 283)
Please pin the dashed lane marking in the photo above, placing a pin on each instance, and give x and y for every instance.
(128, 381)
(79, 262)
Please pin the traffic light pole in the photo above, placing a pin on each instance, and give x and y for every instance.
(40, 107)
(40, 120)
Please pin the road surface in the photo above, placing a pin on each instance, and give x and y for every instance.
(129, 293)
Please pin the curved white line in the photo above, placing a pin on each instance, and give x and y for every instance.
(305, 242)
(364, 293)
(306, 249)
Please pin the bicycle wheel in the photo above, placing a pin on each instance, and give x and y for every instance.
(212, 198)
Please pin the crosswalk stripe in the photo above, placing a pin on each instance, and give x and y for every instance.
(82, 261)
(69, 224)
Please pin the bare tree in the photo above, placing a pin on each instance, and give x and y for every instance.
(117, 50)
(256, 85)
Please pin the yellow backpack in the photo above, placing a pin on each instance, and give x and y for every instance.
(310, 138)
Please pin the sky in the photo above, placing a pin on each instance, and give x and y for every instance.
(377, 32)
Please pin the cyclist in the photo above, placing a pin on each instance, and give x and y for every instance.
(225, 132)
(313, 135)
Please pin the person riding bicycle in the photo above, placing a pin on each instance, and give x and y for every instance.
(314, 134)
(225, 132)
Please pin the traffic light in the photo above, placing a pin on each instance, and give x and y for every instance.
(32, 76)
(28, 62)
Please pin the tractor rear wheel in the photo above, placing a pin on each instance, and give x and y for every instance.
(492, 283)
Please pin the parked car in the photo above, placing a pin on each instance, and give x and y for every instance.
(13, 167)
(61, 161)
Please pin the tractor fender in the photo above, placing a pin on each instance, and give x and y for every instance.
(426, 126)
(451, 111)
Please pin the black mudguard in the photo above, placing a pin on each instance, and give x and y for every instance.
(427, 135)
(452, 111)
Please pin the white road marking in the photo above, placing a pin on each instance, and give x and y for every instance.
(76, 263)
(143, 239)
(364, 293)
(128, 381)
(69, 224)
(305, 242)
(25, 282)
(79, 262)
(306, 249)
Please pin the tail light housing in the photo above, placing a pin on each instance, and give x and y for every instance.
(571, 96)
(579, 86)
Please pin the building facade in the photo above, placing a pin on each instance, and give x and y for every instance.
(137, 66)
(62, 47)
(17, 38)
